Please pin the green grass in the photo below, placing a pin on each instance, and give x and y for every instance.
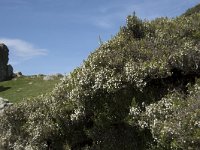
(17, 89)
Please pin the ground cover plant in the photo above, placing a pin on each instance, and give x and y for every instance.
(138, 91)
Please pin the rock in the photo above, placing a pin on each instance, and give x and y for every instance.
(40, 75)
(59, 75)
(53, 76)
(3, 104)
(10, 71)
(48, 77)
(18, 74)
(6, 71)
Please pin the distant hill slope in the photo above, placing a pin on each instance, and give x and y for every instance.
(17, 89)
(138, 91)
(193, 10)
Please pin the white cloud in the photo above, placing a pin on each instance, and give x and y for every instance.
(21, 50)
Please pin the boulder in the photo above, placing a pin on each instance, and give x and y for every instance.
(6, 71)
(3, 104)
(18, 74)
(58, 75)
(40, 75)
(52, 77)
(48, 77)
(10, 71)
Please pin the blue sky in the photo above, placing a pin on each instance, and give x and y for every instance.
(55, 36)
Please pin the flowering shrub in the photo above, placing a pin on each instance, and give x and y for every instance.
(131, 93)
(173, 121)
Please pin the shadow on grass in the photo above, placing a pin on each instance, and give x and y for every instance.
(2, 88)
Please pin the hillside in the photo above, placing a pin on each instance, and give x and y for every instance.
(193, 10)
(138, 91)
(17, 89)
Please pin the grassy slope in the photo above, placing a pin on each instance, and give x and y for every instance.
(25, 87)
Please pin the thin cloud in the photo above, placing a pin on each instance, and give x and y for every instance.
(104, 23)
(10, 4)
(112, 13)
(146, 9)
(21, 50)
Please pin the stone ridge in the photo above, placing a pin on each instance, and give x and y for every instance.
(6, 71)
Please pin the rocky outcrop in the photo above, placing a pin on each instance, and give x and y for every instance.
(6, 71)
(3, 104)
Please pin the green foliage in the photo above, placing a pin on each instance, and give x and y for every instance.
(131, 93)
(134, 28)
(193, 10)
(173, 121)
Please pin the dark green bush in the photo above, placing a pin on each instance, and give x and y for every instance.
(131, 93)
(192, 11)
